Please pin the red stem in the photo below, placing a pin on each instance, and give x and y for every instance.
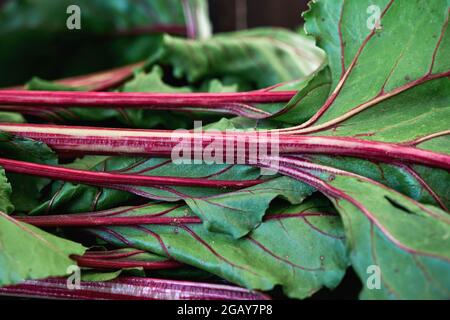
(87, 220)
(179, 30)
(90, 262)
(231, 103)
(87, 140)
(130, 288)
(101, 178)
(136, 99)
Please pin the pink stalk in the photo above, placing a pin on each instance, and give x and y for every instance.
(232, 103)
(98, 81)
(130, 288)
(111, 179)
(93, 220)
(124, 217)
(87, 140)
(102, 263)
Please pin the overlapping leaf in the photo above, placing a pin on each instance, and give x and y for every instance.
(234, 212)
(299, 247)
(5, 193)
(27, 252)
(406, 241)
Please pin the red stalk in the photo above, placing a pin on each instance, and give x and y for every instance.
(130, 288)
(88, 140)
(91, 220)
(110, 179)
(94, 220)
(232, 103)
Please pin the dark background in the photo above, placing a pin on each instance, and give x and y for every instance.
(228, 15)
(28, 53)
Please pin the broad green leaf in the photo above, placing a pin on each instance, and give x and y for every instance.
(406, 244)
(299, 247)
(30, 253)
(391, 83)
(307, 101)
(220, 64)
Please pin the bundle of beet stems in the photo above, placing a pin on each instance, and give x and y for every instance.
(378, 152)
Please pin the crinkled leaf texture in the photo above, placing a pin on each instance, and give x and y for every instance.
(262, 57)
(300, 247)
(388, 84)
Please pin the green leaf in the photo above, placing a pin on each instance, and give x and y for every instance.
(299, 247)
(72, 198)
(96, 276)
(27, 252)
(262, 57)
(11, 117)
(408, 242)
(26, 189)
(30, 253)
(34, 35)
(389, 84)
(423, 184)
(221, 64)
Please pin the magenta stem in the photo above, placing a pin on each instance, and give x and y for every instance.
(89, 262)
(102, 178)
(88, 140)
(136, 99)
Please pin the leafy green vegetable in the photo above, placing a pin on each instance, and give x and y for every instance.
(34, 35)
(27, 252)
(369, 131)
(5, 193)
(262, 57)
(299, 247)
